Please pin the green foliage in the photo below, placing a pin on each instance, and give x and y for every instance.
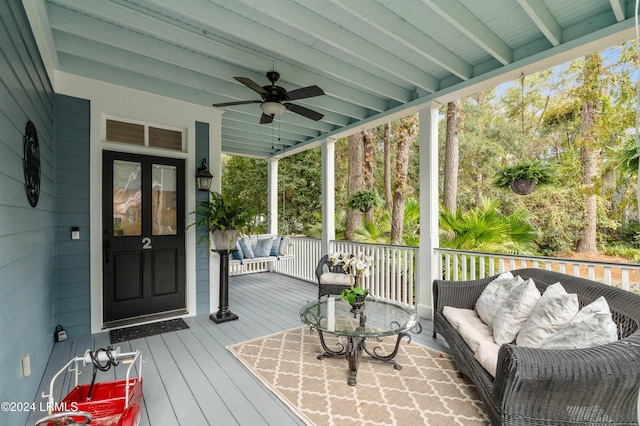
(486, 229)
(349, 294)
(366, 200)
(557, 213)
(629, 233)
(537, 171)
(219, 213)
(623, 250)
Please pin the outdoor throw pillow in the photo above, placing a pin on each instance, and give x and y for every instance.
(284, 246)
(247, 250)
(514, 312)
(263, 247)
(494, 295)
(554, 310)
(592, 326)
(275, 247)
(237, 255)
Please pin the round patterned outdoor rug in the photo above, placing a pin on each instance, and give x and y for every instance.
(426, 391)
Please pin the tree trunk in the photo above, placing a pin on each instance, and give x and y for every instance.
(407, 127)
(354, 159)
(591, 88)
(590, 157)
(367, 167)
(451, 156)
(387, 165)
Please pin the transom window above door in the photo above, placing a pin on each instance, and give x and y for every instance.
(144, 135)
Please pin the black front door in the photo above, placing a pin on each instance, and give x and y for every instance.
(143, 236)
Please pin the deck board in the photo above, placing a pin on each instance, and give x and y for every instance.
(189, 377)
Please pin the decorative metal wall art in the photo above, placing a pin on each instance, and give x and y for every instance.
(32, 164)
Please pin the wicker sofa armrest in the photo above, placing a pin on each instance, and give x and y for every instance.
(458, 294)
(595, 385)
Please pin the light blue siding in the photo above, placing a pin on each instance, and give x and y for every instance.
(73, 304)
(27, 235)
(202, 258)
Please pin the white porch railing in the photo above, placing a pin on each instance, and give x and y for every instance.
(470, 265)
(393, 276)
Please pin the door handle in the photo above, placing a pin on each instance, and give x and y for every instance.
(107, 250)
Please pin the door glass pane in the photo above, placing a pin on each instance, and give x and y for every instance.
(127, 198)
(164, 200)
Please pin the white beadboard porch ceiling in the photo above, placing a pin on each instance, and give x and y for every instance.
(375, 60)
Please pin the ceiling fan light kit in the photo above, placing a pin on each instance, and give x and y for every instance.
(275, 99)
(273, 108)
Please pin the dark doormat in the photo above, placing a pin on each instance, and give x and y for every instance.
(139, 331)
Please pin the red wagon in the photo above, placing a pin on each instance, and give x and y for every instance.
(114, 403)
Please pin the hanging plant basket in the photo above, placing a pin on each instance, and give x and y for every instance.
(523, 186)
(524, 176)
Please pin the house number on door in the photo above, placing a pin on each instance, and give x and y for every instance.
(146, 243)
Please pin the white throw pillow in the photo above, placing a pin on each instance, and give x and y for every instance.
(592, 326)
(335, 278)
(494, 295)
(514, 312)
(554, 310)
(487, 356)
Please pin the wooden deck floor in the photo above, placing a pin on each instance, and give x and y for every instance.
(189, 378)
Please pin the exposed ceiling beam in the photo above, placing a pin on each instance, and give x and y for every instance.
(217, 19)
(465, 22)
(402, 32)
(543, 19)
(618, 7)
(340, 39)
(141, 25)
(237, 119)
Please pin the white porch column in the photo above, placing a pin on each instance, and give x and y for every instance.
(328, 194)
(272, 195)
(215, 161)
(427, 259)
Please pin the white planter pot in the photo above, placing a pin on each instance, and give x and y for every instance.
(224, 240)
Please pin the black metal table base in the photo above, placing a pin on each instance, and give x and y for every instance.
(353, 352)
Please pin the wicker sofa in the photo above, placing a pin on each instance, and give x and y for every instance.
(598, 385)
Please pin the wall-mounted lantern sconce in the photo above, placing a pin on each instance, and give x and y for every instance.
(203, 177)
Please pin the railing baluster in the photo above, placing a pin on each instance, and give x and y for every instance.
(624, 278)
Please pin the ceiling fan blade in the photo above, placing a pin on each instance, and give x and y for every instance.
(266, 119)
(224, 104)
(305, 92)
(252, 85)
(305, 112)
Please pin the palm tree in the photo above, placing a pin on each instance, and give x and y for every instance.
(486, 229)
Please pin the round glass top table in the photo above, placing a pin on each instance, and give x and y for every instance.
(379, 318)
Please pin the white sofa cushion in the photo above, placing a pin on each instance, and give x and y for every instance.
(592, 326)
(494, 295)
(335, 278)
(514, 312)
(554, 310)
(487, 356)
(469, 325)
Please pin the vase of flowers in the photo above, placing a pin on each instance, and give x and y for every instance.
(357, 266)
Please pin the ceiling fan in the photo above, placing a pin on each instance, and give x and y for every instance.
(274, 99)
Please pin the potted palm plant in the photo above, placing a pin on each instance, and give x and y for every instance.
(523, 176)
(365, 200)
(224, 219)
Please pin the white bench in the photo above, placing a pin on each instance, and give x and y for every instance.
(259, 264)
